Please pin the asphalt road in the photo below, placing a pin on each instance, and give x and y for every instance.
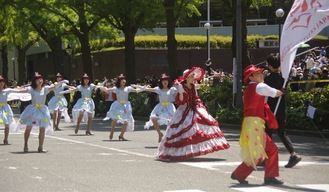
(76, 162)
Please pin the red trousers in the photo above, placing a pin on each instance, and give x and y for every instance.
(271, 163)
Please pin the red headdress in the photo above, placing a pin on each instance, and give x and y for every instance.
(248, 71)
(59, 75)
(85, 76)
(121, 76)
(197, 71)
(164, 76)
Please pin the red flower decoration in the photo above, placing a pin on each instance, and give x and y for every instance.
(256, 129)
(156, 114)
(34, 122)
(124, 111)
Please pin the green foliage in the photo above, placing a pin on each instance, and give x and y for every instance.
(183, 41)
(297, 104)
(218, 100)
(138, 105)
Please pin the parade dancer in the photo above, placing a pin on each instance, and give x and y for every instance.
(6, 114)
(85, 106)
(121, 110)
(165, 109)
(255, 144)
(57, 104)
(37, 114)
(192, 131)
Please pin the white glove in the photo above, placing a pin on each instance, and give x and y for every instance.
(141, 89)
(180, 88)
(64, 92)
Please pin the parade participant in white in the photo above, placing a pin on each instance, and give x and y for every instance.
(58, 104)
(165, 109)
(85, 106)
(6, 114)
(37, 114)
(121, 111)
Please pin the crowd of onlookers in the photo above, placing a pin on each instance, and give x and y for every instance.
(314, 66)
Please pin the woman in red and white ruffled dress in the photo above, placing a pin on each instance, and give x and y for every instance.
(192, 131)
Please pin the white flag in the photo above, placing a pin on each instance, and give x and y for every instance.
(310, 111)
(305, 20)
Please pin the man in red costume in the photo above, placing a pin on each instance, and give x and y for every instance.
(255, 144)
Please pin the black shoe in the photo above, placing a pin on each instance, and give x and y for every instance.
(272, 181)
(293, 160)
(241, 181)
(261, 164)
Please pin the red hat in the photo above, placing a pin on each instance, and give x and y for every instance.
(37, 75)
(197, 71)
(59, 75)
(164, 76)
(248, 71)
(121, 76)
(85, 76)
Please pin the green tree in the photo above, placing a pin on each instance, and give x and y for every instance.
(128, 16)
(76, 18)
(176, 10)
(18, 33)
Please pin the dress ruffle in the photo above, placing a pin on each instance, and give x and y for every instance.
(83, 105)
(36, 115)
(191, 133)
(7, 117)
(57, 104)
(122, 112)
(163, 114)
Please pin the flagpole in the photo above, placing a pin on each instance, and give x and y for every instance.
(279, 100)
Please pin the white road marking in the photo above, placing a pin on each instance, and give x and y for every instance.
(313, 187)
(320, 187)
(188, 190)
(214, 165)
(257, 189)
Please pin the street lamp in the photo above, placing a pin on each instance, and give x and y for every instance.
(207, 27)
(13, 59)
(279, 14)
(69, 51)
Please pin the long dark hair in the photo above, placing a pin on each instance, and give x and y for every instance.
(34, 79)
(119, 79)
(83, 78)
(3, 80)
(161, 85)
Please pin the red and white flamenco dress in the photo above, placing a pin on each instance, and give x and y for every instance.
(192, 131)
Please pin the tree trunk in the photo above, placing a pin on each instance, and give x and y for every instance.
(21, 63)
(4, 57)
(130, 55)
(171, 40)
(55, 44)
(86, 54)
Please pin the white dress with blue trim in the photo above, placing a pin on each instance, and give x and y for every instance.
(165, 109)
(121, 109)
(6, 114)
(85, 104)
(58, 102)
(37, 113)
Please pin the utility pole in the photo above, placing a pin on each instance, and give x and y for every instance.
(238, 61)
